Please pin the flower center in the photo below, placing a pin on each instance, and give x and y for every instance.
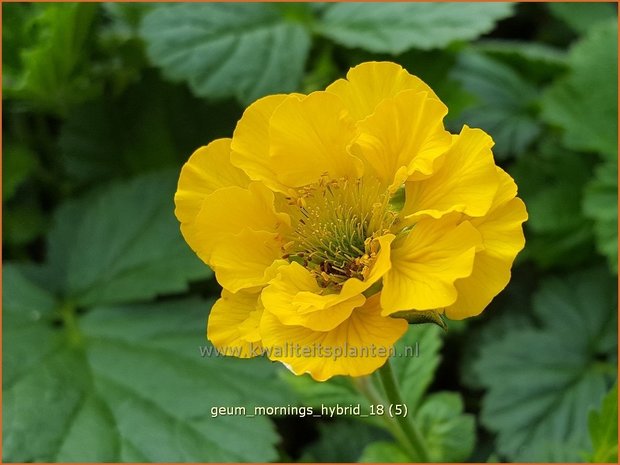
(335, 224)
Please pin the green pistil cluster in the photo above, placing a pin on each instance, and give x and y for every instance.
(335, 223)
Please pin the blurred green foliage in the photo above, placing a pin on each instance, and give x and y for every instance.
(104, 305)
(450, 434)
(603, 425)
(544, 377)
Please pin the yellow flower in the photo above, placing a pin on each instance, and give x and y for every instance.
(327, 213)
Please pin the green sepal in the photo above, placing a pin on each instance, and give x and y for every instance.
(415, 317)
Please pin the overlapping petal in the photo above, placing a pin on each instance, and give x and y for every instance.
(229, 210)
(466, 182)
(208, 169)
(309, 138)
(426, 263)
(233, 325)
(250, 143)
(356, 347)
(368, 84)
(403, 137)
(296, 298)
(502, 237)
(247, 260)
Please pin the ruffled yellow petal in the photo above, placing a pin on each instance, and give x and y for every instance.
(490, 275)
(506, 189)
(426, 263)
(247, 260)
(230, 210)
(404, 131)
(309, 138)
(370, 83)
(233, 326)
(356, 347)
(250, 142)
(466, 182)
(296, 298)
(501, 230)
(208, 169)
(502, 236)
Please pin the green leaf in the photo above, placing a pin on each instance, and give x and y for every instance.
(506, 103)
(221, 50)
(124, 384)
(537, 52)
(585, 103)
(121, 244)
(23, 223)
(600, 203)
(542, 380)
(434, 67)
(52, 73)
(504, 315)
(341, 441)
(603, 425)
(17, 34)
(150, 126)
(582, 16)
(383, 451)
(125, 17)
(24, 305)
(536, 61)
(338, 390)
(113, 137)
(551, 183)
(123, 58)
(450, 434)
(415, 373)
(397, 27)
(18, 164)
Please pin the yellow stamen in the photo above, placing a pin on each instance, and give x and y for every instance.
(335, 223)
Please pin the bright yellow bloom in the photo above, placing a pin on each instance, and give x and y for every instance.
(327, 213)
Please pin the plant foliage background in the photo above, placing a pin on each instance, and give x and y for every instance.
(104, 306)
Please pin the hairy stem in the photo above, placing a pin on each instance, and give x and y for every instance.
(410, 430)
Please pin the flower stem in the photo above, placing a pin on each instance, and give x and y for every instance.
(67, 313)
(365, 386)
(410, 430)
